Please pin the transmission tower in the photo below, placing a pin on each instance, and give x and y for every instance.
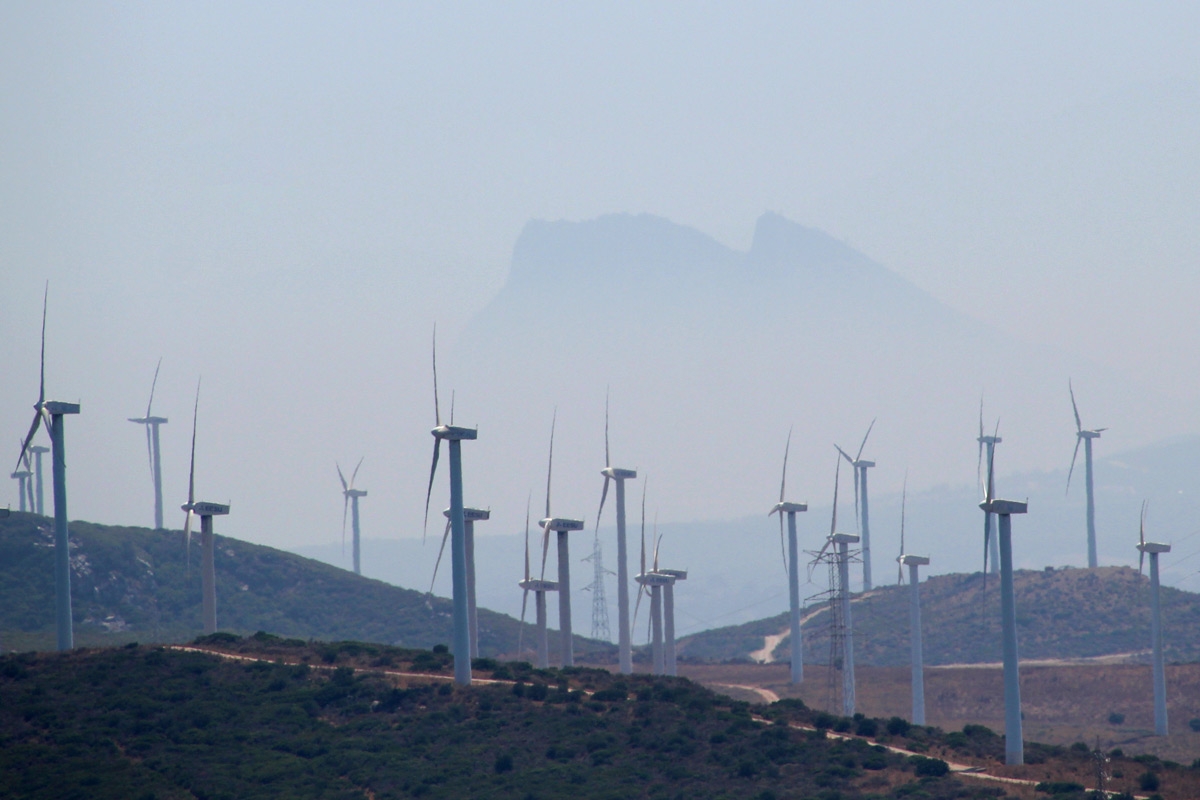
(840, 674)
(600, 628)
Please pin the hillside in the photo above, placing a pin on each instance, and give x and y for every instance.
(134, 584)
(1061, 614)
(268, 717)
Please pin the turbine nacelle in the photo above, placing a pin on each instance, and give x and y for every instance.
(862, 463)
(1154, 547)
(990, 439)
(907, 560)
(355, 493)
(677, 574)
(470, 514)
(561, 524)
(619, 474)
(206, 509)
(788, 508)
(654, 579)
(536, 585)
(1091, 434)
(21, 474)
(37, 448)
(844, 538)
(454, 433)
(148, 420)
(1004, 507)
(56, 407)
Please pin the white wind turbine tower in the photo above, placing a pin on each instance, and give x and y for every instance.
(914, 615)
(458, 551)
(1014, 746)
(24, 478)
(652, 582)
(561, 526)
(1160, 677)
(539, 588)
(861, 505)
(350, 497)
(38, 450)
(792, 563)
(991, 545)
(51, 412)
(470, 517)
(841, 596)
(668, 611)
(152, 450)
(619, 476)
(1086, 437)
(206, 511)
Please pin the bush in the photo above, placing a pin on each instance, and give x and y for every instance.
(1116, 719)
(866, 727)
(1195, 725)
(898, 726)
(441, 649)
(1059, 787)
(1148, 782)
(504, 763)
(928, 767)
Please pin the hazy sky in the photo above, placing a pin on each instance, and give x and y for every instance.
(284, 197)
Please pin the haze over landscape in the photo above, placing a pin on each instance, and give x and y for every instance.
(735, 220)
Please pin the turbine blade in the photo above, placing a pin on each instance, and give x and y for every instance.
(857, 523)
(152, 385)
(545, 549)
(341, 477)
(607, 457)
(37, 420)
(864, 441)
(786, 449)
(979, 459)
(345, 508)
(550, 463)
(657, 541)
(782, 548)
(442, 549)
(42, 382)
(354, 474)
(521, 627)
(603, 495)
(1075, 455)
(987, 530)
(527, 502)
(187, 538)
(192, 462)
(1075, 408)
(637, 605)
(1142, 539)
(437, 452)
(437, 408)
(845, 455)
(451, 406)
(903, 507)
(833, 524)
(643, 563)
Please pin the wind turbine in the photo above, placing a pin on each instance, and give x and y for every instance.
(152, 451)
(458, 552)
(561, 526)
(914, 616)
(619, 476)
(1014, 746)
(51, 412)
(24, 478)
(539, 588)
(792, 562)
(861, 506)
(38, 450)
(1086, 437)
(668, 610)
(206, 511)
(470, 517)
(652, 582)
(350, 497)
(991, 545)
(1160, 678)
(841, 543)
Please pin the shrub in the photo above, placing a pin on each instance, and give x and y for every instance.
(898, 726)
(928, 767)
(1058, 787)
(823, 720)
(1148, 782)
(441, 649)
(1081, 747)
(1195, 724)
(504, 763)
(1116, 719)
(866, 727)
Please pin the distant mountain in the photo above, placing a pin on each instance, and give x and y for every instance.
(709, 354)
(1061, 614)
(134, 584)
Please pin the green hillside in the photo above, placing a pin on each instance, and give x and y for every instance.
(1063, 613)
(287, 718)
(134, 584)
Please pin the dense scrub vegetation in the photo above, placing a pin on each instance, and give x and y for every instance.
(136, 584)
(348, 719)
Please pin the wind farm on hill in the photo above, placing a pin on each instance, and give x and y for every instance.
(851, 630)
